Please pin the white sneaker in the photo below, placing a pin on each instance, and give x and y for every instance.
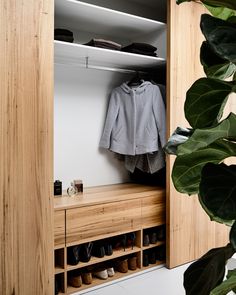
(102, 274)
(110, 271)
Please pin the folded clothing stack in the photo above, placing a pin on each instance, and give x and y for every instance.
(63, 35)
(141, 48)
(101, 43)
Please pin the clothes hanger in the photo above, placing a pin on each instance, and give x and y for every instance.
(136, 80)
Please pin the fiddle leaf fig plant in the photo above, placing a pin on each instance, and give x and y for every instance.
(200, 150)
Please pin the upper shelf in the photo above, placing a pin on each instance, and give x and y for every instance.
(91, 18)
(76, 54)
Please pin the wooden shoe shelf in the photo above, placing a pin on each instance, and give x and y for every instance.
(106, 212)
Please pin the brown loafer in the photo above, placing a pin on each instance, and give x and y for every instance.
(122, 266)
(132, 263)
(75, 281)
(87, 278)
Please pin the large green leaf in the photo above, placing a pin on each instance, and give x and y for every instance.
(206, 273)
(201, 138)
(221, 35)
(233, 235)
(226, 286)
(217, 190)
(222, 3)
(186, 173)
(205, 101)
(229, 274)
(179, 136)
(221, 12)
(214, 217)
(215, 66)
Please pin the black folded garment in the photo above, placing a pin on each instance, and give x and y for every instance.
(63, 35)
(101, 43)
(140, 48)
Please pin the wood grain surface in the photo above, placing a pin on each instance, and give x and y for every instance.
(26, 121)
(190, 233)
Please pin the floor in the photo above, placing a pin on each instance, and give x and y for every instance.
(156, 282)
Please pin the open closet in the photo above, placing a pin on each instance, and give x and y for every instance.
(117, 203)
(85, 77)
(34, 122)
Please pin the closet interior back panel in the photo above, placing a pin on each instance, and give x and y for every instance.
(82, 91)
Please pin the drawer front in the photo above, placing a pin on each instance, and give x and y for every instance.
(59, 228)
(100, 221)
(153, 211)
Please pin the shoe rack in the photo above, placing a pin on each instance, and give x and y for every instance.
(109, 213)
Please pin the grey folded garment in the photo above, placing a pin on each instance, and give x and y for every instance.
(141, 48)
(101, 43)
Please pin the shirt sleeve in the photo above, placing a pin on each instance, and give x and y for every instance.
(112, 113)
(160, 114)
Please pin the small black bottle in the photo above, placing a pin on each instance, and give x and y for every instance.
(57, 188)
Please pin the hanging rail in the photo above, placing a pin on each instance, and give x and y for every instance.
(102, 68)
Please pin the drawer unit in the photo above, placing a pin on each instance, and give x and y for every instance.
(153, 211)
(93, 222)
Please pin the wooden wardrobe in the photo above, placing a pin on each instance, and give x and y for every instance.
(26, 144)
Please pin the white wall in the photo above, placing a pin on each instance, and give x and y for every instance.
(81, 98)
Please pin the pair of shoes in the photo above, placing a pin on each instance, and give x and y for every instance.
(149, 239)
(104, 273)
(154, 236)
(82, 253)
(102, 248)
(124, 241)
(75, 280)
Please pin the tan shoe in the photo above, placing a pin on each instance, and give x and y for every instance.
(87, 278)
(122, 266)
(75, 281)
(132, 263)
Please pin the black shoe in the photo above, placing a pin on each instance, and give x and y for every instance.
(152, 257)
(108, 249)
(86, 252)
(56, 287)
(161, 233)
(153, 239)
(145, 259)
(146, 240)
(98, 250)
(131, 237)
(161, 253)
(73, 255)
